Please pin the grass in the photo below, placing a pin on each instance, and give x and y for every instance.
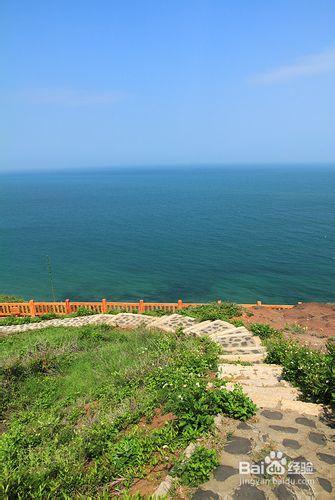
(22, 320)
(10, 298)
(224, 311)
(296, 329)
(87, 411)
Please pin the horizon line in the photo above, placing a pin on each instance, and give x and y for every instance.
(166, 166)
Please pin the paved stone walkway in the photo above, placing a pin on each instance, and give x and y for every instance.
(304, 447)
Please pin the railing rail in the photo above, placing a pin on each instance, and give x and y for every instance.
(33, 308)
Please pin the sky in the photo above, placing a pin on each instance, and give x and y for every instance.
(178, 82)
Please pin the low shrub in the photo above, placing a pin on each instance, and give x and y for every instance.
(50, 316)
(18, 320)
(156, 312)
(262, 330)
(82, 311)
(224, 311)
(196, 469)
(10, 298)
(310, 370)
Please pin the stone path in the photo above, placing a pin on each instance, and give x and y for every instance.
(293, 430)
(304, 447)
(122, 320)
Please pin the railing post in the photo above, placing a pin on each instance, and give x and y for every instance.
(32, 309)
(141, 306)
(103, 306)
(67, 306)
(180, 304)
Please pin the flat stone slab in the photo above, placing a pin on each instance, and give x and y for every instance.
(261, 375)
(306, 421)
(325, 484)
(172, 322)
(223, 472)
(272, 414)
(245, 358)
(291, 443)
(248, 492)
(131, 320)
(205, 495)
(197, 328)
(238, 445)
(225, 331)
(211, 327)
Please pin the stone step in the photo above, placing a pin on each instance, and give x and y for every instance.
(244, 350)
(197, 328)
(237, 341)
(243, 358)
(261, 375)
(227, 332)
(270, 397)
(211, 327)
(172, 322)
(132, 320)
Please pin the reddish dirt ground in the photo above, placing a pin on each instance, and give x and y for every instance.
(312, 324)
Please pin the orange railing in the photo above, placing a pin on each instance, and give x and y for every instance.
(33, 308)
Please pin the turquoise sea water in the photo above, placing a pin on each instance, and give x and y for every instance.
(197, 234)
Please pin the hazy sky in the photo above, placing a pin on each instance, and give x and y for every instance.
(99, 83)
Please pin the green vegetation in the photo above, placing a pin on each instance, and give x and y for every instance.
(156, 312)
(310, 370)
(224, 311)
(263, 331)
(88, 410)
(22, 320)
(10, 298)
(297, 329)
(196, 469)
(82, 311)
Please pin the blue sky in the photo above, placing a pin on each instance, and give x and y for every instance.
(109, 83)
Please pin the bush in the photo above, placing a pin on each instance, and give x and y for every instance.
(82, 311)
(10, 298)
(17, 320)
(50, 316)
(156, 312)
(196, 469)
(224, 311)
(263, 331)
(311, 371)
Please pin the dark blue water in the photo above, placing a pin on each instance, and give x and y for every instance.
(201, 234)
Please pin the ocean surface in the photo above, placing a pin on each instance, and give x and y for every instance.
(241, 234)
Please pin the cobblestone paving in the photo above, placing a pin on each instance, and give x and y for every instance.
(130, 320)
(307, 448)
(172, 322)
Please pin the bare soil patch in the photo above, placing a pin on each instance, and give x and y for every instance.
(311, 324)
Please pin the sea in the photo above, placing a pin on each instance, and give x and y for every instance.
(238, 233)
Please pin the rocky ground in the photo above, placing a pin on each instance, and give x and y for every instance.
(310, 324)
